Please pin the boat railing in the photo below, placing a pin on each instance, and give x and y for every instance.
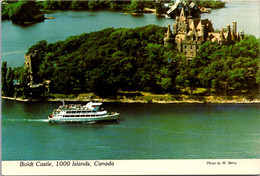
(70, 106)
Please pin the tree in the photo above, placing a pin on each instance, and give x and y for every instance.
(164, 79)
(10, 82)
(136, 60)
(4, 81)
(137, 5)
(23, 80)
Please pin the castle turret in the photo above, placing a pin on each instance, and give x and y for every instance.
(238, 37)
(242, 35)
(234, 27)
(228, 38)
(175, 26)
(32, 66)
(233, 36)
(203, 32)
(234, 32)
(222, 37)
(183, 15)
(228, 28)
(169, 37)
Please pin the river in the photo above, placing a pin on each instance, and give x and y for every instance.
(17, 39)
(143, 131)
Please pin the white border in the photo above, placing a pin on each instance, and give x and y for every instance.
(137, 167)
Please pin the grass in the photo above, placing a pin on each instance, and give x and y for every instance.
(148, 97)
(57, 95)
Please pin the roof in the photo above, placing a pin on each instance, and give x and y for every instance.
(94, 104)
(194, 23)
(207, 24)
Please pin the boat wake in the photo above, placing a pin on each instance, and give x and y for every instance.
(28, 120)
(14, 52)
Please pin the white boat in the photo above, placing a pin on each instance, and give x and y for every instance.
(91, 112)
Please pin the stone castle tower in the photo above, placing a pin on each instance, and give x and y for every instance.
(36, 85)
(30, 64)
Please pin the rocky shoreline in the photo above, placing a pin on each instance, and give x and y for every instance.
(207, 99)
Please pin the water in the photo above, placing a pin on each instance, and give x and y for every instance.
(17, 39)
(246, 13)
(143, 131)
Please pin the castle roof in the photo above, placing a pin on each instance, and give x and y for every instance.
(207, 24)
(194, 23)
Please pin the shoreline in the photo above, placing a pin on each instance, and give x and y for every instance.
(207, 100)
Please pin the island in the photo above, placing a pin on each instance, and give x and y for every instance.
(22, 12)
(188, 62)
(134, 65)
(28, 12)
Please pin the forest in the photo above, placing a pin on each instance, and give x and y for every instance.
(112, 60)
(212, 4)
(10, 9)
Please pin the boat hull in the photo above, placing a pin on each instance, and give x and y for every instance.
(84, 119)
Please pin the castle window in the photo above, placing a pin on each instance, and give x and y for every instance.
(190, 47)
(185, 53)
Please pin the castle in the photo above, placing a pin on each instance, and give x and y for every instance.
(189, 33)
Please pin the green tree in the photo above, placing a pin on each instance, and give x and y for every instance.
(10, 82)
(4, 80)
(137, 5)
(23, 80)
(164, 79)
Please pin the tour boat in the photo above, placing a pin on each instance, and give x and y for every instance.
(91, 112)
